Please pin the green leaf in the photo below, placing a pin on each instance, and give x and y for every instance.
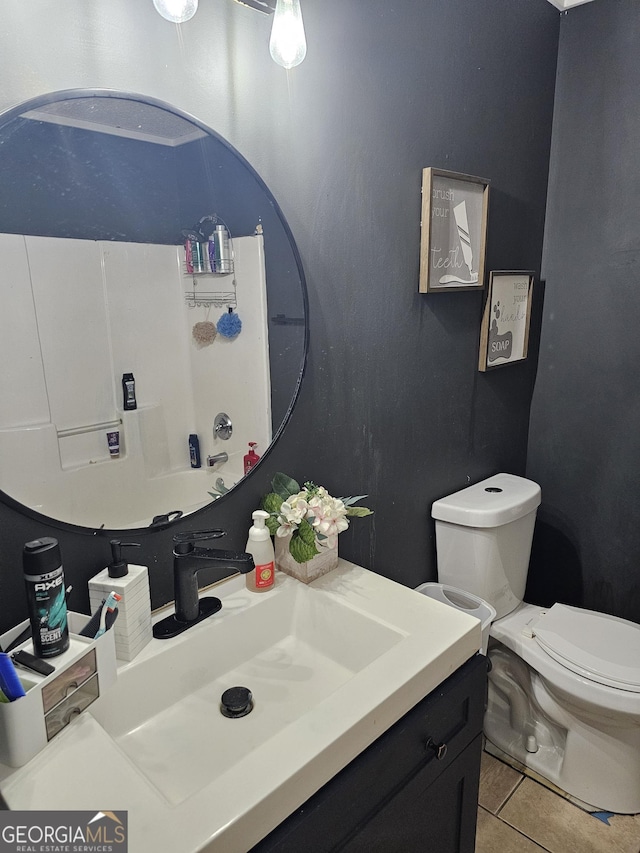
(272, 524)
(284, 486)
(300, 550)
(303, 542)
(358, 511)
(271, 503)
(350, 501)
(306, 532)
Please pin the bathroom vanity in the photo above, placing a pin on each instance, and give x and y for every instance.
(364, 734)
(414, 790)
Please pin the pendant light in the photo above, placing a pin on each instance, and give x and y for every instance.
(176, 11)
(288, 45)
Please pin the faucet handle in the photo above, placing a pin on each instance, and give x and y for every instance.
(197, 535)
(183, 542)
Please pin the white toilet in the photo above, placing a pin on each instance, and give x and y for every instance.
(564, 687)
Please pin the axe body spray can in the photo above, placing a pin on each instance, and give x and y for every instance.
(46, 596)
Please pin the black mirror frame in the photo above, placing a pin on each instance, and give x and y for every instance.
(66, 94)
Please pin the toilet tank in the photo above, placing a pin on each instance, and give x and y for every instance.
(483, 539)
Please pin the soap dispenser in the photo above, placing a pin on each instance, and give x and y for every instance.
(133, 626)
(260, 546)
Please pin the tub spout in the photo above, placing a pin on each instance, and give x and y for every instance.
(218, 457)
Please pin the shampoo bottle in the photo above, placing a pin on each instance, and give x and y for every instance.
(133, 626)
(220, 257)
(46, 596)
(194, 450)
(129, 392)
(250, 458)
(260, 547)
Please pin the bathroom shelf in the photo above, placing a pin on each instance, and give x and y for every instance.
(213, 258)
(208, 272)
(194, 296)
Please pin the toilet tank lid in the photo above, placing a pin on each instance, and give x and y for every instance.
(490, 503)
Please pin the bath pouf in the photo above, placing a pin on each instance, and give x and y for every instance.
(229, 325)
(204, 333)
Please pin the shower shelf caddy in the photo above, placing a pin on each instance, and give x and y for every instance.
(195, 296)
(203, 268)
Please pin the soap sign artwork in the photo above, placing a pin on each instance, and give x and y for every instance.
(454, 231)
(504, 335)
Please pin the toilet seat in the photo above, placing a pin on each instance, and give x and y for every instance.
(599, 647)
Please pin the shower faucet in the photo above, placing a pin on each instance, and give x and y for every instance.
(222, 426)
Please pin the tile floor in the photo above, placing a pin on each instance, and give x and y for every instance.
(518, 815)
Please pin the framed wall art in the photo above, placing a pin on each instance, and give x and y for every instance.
(504, 335)
(453, 232)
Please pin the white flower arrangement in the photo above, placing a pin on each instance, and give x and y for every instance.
(310, 515)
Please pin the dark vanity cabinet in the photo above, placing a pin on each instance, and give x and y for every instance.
(414, 790)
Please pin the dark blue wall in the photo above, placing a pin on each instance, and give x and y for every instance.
(584, 445)
(392, 403)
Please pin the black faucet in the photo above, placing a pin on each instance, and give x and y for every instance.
(187, 562)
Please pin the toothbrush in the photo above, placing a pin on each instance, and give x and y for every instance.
(109, 606)
(10, 684)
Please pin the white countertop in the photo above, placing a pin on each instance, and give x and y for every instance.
(85, 768)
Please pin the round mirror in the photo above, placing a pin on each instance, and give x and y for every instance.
(154, 324)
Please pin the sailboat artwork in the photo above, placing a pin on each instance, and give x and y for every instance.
(453, 238)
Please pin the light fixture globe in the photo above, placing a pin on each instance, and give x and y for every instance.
(176, 11)
(288, 45)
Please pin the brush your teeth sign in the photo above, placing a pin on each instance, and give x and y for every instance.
(454, 215)
(504, 336)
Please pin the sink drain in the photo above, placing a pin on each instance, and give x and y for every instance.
(236, 702)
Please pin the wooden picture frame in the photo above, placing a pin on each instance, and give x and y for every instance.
(504, 334)
(453, 231)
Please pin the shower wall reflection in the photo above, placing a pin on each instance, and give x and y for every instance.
(82, 314)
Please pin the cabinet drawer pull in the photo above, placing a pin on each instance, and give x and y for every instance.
(439, 749)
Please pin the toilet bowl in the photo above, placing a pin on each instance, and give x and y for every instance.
(564, 686)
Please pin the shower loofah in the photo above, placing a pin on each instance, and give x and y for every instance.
(229, 325)
(204, 333)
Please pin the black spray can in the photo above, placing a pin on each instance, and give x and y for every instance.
(46, 596)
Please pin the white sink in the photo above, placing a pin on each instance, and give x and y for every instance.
(292, 650)
(331, 666)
